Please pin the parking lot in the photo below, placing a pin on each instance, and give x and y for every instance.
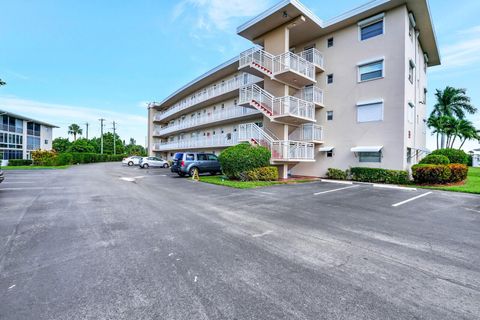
(106, 241)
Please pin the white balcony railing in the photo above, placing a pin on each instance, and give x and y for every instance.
(314, 56)
(308, 132)
(258, 58)
(208, 93)
(290, 61)
(275, 107)
(223, 140)
(209, 117)
(311, 94)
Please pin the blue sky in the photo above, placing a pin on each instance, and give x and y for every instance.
(71, 61)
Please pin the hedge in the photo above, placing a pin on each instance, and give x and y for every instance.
(435, 159)
(19, 162)
(439, 174)
(51, 158)
(454, 155)
(377, 175)
(260, 174)
(243, 157)
(336, 174)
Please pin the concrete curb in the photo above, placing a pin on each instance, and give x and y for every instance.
(336, 181)
(391, 186)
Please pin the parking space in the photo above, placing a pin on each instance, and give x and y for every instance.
(84, 239)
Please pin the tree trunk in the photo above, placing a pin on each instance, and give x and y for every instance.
(461, 145)
(437, 140)
(442, 141)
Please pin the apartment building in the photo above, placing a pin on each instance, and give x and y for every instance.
(350, 91)
(19, 136)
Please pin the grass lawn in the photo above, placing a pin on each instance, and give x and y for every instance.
(223, 181)
(33, 167)
(472, 185)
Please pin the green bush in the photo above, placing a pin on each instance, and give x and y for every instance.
(64, 159)
(242, 158)
(435, 159)
(377, 175)
(19, 162)
(431, 173)
(336, 174)
(260, 174)
(44, 157)
(454, 155)
(459, 172)
(470, 160)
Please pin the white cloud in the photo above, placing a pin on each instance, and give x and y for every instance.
(129, 125)
(464, 52)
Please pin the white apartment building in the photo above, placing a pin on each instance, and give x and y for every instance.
(350, 91)
(19, 136)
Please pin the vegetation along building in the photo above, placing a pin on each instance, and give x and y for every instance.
(350, 91)
(19, 136)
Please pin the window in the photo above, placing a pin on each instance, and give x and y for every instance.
(330, 42)
(370, 156)
(424, 127)
(370, 112)
(330, 154)
(409, 155)
(212, 157)
(411, 68)
(425, 91)
(411, 112)
(371, 71)
(190, 157)
(371, 27)
(201, 157)
(330, 78)
(46, 141)
(329, 115)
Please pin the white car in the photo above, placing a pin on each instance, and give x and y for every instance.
(147, 162)
(133, 160)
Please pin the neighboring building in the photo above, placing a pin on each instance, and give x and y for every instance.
(19, 136)
(347, 92)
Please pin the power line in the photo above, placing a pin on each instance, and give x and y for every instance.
(101, 134)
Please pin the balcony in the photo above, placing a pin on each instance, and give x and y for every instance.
(288, 67)
(311, 94)
(220, 141)
(309, 132)
(288, 109)
(315, 57)
(207, 119)
(208, 96)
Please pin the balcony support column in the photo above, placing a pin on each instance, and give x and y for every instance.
(283, 171)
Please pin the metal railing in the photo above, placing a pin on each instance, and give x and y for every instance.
(290, 61)
(223, 140)
(209, 117)
(311, 94)
(258, 58)
(314, 56)
(274, 107)
(208, 93)
(307, 132)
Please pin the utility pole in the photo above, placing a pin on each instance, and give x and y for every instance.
(101, 134)
(114, 138)
(87, 124)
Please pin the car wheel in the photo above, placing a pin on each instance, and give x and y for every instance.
(165, 165)
(145, 166)
(130, 163)
(191, 172)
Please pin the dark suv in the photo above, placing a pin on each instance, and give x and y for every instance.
(186, 162)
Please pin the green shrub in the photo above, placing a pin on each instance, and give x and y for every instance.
(336, 174)
(454, 155)
(44, 157)
(19, 162)
(458, 172)
(64, 159)
(435, 159)
(260, 174)
(378, 175)
(470, 160)
(431, 173)
(242, 158)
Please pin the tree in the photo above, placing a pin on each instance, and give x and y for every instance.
(61, 144)
(467, 131)
(2, 83)
(108, 144)
(74, 129)
(81, 145)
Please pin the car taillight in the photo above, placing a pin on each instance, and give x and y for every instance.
(182, 163)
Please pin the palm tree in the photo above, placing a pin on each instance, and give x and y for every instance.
(439, 125)
(2, 83)
(452, 102)
(467, 131)
(74, 129)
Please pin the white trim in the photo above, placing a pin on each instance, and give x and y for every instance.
(361, 63)
(361, 103)
(371, 20)
(326, 149)
(367, 149)
(368, 104)
(359, 74)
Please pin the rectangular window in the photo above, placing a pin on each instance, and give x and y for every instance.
(330, 42)
(411, 112)
(370, 112)
(329, 154)
(409, 155)
(329, 115)
(370, 156)
(370, 71)
(411, 68)
(425, 91)
(330, 78)
(371, 27)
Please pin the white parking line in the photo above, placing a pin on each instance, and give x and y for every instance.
(411, 199)
(31, 188)
(339, 189)
(472, 210)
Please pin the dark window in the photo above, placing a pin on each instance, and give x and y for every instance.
(371, 30)
(201, 157)
(371, 71)
(212, 157)
(178, 156)
(329, 115)
(329, 154)
(370, 156)
(330, 78)
(330, 42)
